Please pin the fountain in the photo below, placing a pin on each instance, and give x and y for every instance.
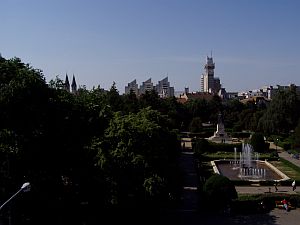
(247, 167)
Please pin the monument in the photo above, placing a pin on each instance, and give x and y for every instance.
(220, 135)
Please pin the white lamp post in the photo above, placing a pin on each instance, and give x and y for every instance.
(25, 187)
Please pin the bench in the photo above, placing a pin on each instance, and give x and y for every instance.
(279, 205)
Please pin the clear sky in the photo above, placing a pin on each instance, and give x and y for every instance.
(254, 42)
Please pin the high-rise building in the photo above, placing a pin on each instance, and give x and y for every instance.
(163, 88)
(146, 86)
(132, 86)
(217, 85)
(208, 82)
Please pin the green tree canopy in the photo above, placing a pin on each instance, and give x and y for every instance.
(282, 114)
(219, 191)
(138, 154)
(258, 142)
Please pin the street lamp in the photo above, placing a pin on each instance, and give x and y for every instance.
(25, 187)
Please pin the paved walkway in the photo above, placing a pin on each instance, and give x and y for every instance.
(265, 190)
(190, 181)
(283, 154)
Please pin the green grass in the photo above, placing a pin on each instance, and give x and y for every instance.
(288, 168)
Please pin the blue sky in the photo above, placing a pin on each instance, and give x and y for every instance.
(254, 42)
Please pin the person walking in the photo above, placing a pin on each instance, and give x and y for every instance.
(275, 185)
(294, 185)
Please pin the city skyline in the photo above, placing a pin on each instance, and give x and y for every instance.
(253, 43)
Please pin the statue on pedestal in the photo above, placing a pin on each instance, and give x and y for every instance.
(220, 135)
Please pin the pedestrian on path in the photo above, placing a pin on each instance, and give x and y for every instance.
(294, 185)
(275, 185)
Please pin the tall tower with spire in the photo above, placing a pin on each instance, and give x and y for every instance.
(67, 83)
(209, 83)
(208, 76)
(74, 85)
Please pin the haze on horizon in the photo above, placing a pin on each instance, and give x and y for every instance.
(254, 43)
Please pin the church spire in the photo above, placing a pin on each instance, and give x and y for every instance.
(67, 83)
(74, 85)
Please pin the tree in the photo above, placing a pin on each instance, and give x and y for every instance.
(114, 100)
(282, 113)
(57, 83)
(138, 154)
(199, 108)
(258, 142)
(200, 146)
(232, 110)
(296, 143)
(196, 125)
(219, 192)
(131, 103)
(150, 98)
(215, 106)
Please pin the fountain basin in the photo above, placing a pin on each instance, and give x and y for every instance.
(259, 171)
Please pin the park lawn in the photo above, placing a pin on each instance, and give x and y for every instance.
(290, 170)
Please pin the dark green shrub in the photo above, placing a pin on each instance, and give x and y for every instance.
(202, 134)
(203, 145)
(240, 134)
(219, 191)
(288, 183)
(258, 143)
(223, 147)
(261, 203)
(200, 146)
(273, 156)
(249, 206)
(295, 200)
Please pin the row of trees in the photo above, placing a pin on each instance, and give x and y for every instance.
(82, 153)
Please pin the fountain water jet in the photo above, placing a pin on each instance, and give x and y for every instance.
(247, 167)
(249, 164)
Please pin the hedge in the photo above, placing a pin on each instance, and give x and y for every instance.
(202, 145)
(248, 204)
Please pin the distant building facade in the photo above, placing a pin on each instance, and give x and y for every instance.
(185, 97)
(146, 86)
(268, 92)
(132, 86)
(163, 88)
